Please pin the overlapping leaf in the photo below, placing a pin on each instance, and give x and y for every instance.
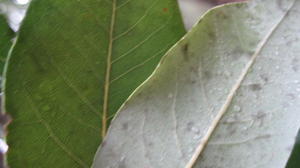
(227, 95)
(73, 65)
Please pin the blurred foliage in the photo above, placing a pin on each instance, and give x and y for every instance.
(6, 35)
(14, 11)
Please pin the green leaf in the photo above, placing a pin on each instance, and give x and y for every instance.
(6, 35)
(294, 161)
(227, 95)
(73, 65)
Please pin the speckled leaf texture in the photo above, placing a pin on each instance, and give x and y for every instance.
(225, 96)
(6, 35)
(73, 65)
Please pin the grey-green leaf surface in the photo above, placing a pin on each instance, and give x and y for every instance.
(73, 65)
(226, 95)
(6, 35)
(294, 161)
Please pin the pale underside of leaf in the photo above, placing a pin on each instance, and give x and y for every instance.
(227, 90)
(233, 91)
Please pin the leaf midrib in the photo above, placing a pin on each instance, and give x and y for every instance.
(108, 70)
(228, 101)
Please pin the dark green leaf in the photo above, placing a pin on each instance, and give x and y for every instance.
(74, 63)
(294, 161)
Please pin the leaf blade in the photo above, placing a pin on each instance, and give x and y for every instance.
(200, 74)
(61, 61)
